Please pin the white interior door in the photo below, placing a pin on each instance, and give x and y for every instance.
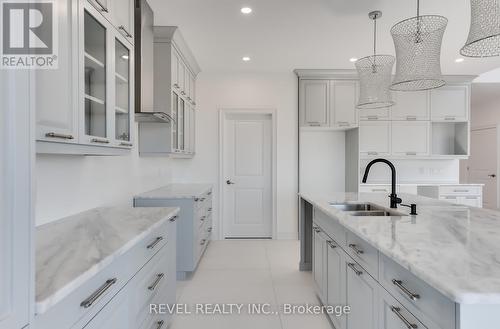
(482, 164)
(247, 175)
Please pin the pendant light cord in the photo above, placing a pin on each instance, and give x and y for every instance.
(374, 66)
(418, 38)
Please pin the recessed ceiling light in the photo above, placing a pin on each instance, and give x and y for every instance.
(246, 10)
(459, 60)
(246, 59)
(352, 60)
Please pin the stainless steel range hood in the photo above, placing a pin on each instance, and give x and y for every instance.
(145, 110)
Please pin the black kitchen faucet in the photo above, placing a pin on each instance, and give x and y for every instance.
(394, 197)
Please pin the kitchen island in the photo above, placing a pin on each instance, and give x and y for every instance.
(438, 269)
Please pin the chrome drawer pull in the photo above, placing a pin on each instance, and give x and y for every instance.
(399, 284)
(160, 324)
(373, 117)
(173, 219)
(202, 199)
(209, 209)
(408, 324)
(411, 153)
(153, 286)
(449, 118)
(353, 267)
(356, 249)
(103, 7)
(98, 293)
(460, 191)
(314, 124)
(101, 141)
(154, 243)
(331, 244)
(128, 35)
(209, 193)
(56, 135)
(202, 242)
(209, 230)
(411, 118)
(203, 218)
(126, 144)
(372, 153)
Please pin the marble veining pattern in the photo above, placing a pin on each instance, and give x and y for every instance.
(454, 248)
(177, 191)
(71, 250)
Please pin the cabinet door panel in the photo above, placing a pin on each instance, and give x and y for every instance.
(374, 114)
(114, 315)
(374, 138)
(57, 116)
(336, 278)
(319, 263)
(123, 92)
(343, 100)
(362, 296)
(411, 105)
(450, 103)
(314, 102)
(123, 18)
(410, 138)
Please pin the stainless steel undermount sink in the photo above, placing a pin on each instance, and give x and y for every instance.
(364, 209)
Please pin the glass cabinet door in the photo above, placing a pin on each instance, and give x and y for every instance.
(175, 121)
(181, 124)
(122, 92)
(95, 76)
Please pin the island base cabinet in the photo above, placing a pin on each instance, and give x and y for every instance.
(115, 315)
(394, 316)
(320, 263)
(336, 278)
(362, 297)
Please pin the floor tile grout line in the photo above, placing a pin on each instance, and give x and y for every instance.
(273, 285)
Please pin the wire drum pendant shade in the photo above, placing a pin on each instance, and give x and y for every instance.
(484, 33)
(375, 74)
(418, 51)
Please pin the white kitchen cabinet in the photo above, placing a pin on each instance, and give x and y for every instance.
(375, 114)
(375, 138)
(468, 195)
(122, 13)
(362, 297)
(410, 138)
(450, 103)
(410, 106)
(103, 6)
(336, 278)
(56, 119)
(174, 81)
(320, 263)
(115, 314)
(314, 103)
(16, 199)
(343, 101)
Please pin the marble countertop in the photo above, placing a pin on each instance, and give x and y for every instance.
(71, 250)
(454, 248)
(176, 191)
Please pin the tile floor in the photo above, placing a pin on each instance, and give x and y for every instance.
(246, 272)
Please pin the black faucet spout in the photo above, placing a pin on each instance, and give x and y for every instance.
(394, 198)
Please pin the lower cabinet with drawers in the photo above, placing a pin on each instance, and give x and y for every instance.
(380, 293)
(194, 227)
(119, 295)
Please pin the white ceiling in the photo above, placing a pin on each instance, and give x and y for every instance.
(282, 35)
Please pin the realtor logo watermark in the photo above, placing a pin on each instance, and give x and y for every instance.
(29, 34)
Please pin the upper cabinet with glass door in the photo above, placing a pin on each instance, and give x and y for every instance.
(123, 93)
(120, 13)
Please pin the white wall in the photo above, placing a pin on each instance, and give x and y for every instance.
(485, 104)
(69, 184)
(249, 91)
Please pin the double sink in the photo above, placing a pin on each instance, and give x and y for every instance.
(364, 209)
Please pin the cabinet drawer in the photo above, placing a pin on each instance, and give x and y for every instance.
(393, 315)
(151, 281)
(415, 295)
(363, 253)
(330, 226)
(375, 189)
(459, 190)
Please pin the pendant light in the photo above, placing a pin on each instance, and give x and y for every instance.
(375, 73)
(418, 52)
(484, 33)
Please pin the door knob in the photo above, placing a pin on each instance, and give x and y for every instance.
(492, 175)
(228, 182)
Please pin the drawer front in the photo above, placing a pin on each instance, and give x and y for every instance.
(331, 227)
(459, 190)
(393, 315)
(375, 189)
(363, 253)
(154, 242)
(417, 296)
(150, 282)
